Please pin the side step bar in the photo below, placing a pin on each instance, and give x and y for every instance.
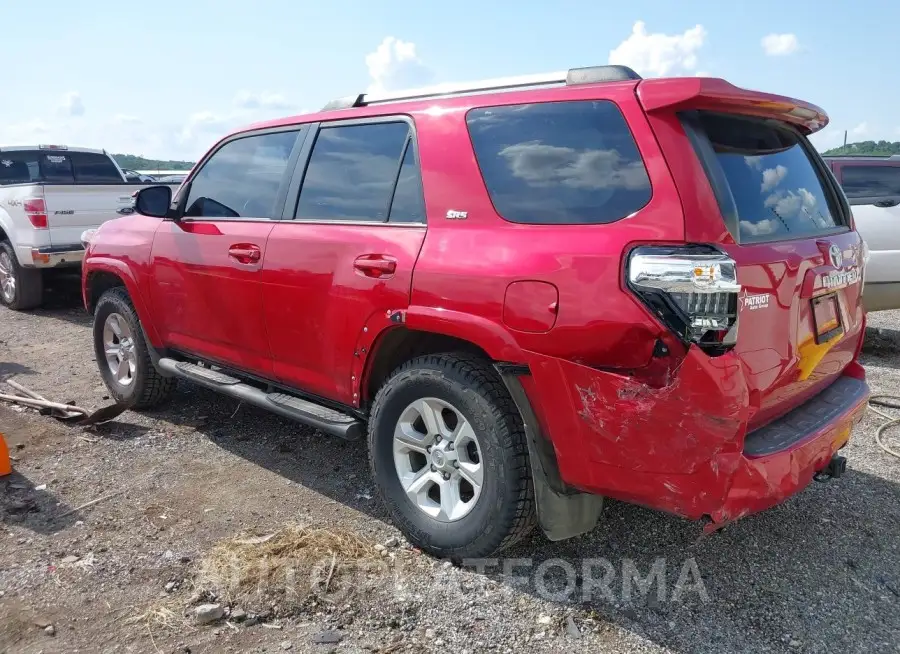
(315, 415)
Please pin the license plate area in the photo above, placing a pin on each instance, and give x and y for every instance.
(827, 317)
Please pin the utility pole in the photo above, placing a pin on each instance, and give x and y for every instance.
(845, 138)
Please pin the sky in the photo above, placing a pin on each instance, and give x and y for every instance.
(166, 80)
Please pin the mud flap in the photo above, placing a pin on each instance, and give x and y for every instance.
(562, 511)
(154, 355)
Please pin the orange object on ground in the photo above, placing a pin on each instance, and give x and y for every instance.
(5, 463)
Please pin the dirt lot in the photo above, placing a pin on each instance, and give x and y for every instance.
(820, 573)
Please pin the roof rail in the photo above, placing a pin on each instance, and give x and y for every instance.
(573, 76)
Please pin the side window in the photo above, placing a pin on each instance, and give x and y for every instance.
(91, 168)
(242, 178)
(408, 205)
(352, 172)
(870, 181)
(558, 163)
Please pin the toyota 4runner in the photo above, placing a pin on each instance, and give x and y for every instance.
(528, 294)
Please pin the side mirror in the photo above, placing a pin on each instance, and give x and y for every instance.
(154, 201)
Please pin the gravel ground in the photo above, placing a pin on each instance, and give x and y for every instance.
(819, 573)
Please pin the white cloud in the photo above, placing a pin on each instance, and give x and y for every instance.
(71, 104)
(703, 73)
(760, 228)
(264, 100)
(395, 65)
(860, 130)
(126, 119)
(540, 164)
(778, 45)
(658, 54)
(771, 177)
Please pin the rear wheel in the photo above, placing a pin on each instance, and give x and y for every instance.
(20, 288)
(449, 456)
(122, 354)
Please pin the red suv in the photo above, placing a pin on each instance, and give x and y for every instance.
(530, 294)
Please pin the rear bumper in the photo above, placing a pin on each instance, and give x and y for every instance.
(684, 448)
(782, 458)
(53, 256)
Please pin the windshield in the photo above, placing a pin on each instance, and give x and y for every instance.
(767, 186)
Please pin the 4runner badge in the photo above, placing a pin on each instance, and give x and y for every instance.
(754, 302)
(841, 278)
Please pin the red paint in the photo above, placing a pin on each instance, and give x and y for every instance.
(317, 299)
(307, 304)
(530, 306)
(207, 300)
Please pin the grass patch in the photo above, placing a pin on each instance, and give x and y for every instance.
(285, 571)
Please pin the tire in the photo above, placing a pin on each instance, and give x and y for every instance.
(26, 290)
(503, 511)
(145, 387)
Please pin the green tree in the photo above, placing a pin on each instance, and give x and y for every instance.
(134, 162)
(870, 148)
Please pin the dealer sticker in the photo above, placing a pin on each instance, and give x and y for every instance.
(754, 302)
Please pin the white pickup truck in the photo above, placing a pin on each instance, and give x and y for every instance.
(49, 195)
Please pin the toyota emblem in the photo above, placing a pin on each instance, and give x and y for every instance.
(837, 257)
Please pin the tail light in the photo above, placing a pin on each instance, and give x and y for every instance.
(693, 289)
(36, 211)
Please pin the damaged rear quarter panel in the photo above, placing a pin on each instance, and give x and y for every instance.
(685, 438)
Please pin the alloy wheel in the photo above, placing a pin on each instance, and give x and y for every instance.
(438, 459)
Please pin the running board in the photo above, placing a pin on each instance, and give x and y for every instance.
(323, 418)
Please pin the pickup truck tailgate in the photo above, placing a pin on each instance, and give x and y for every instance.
(71, 209)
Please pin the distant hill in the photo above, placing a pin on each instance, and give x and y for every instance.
(133, 162)
(882, 148)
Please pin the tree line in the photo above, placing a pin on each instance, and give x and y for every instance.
(878, 148)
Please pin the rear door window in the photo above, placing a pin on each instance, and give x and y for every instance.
(878, 181)
(558, 163)
(353, 175)
(34, 167)
(407, 205)
(765, 180)
(93, 168)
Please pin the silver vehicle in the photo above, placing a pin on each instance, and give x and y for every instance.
(49, 195)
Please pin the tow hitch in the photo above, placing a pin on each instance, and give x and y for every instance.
(834, 470)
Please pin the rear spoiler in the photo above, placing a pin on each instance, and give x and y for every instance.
(713, 94)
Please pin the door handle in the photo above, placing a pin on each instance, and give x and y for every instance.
(246, 253)
(375, 265)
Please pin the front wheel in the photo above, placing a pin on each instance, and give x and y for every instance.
(122, 354)
(449, 456)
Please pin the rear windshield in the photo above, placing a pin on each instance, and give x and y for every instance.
(870, 181)
(56, 167)
(767, 186)
(34, 166)
(558, 163)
